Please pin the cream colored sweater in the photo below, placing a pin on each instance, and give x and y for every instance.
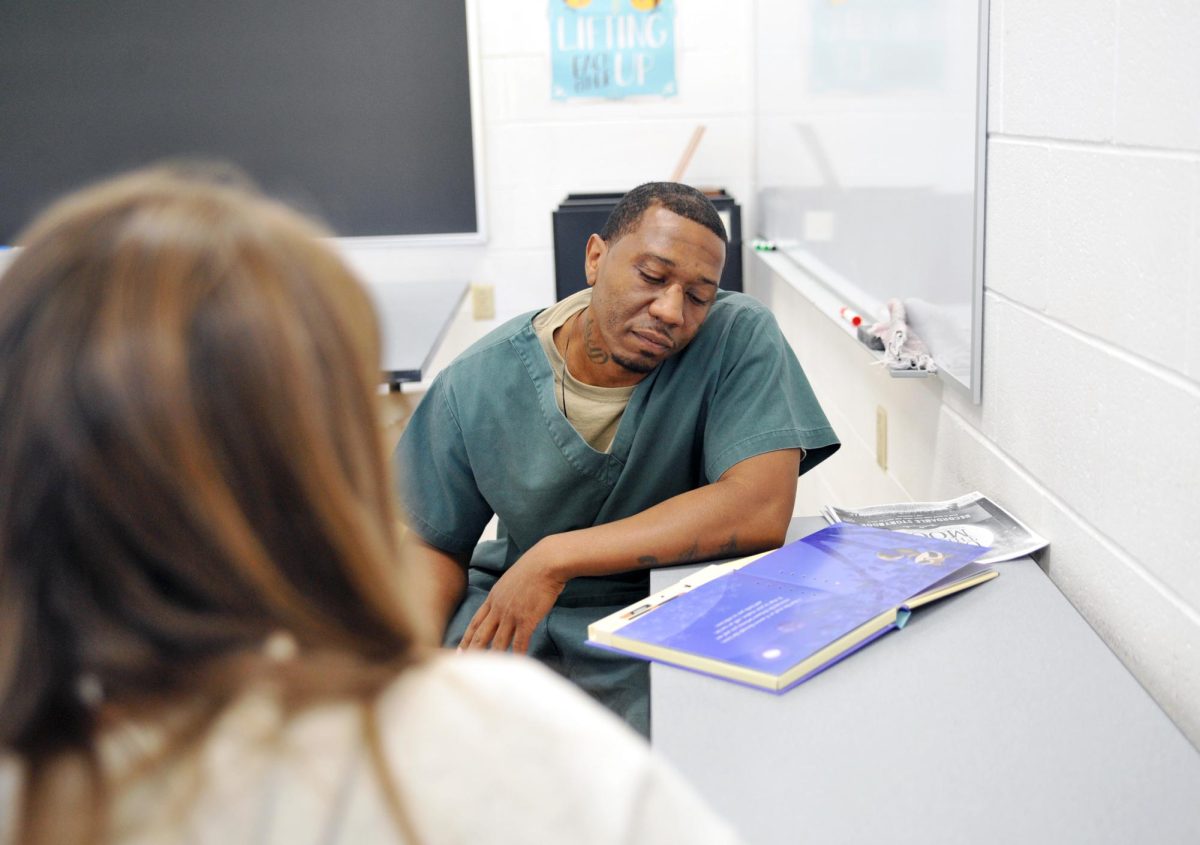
(484, 748)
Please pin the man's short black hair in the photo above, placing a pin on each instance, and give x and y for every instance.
(677, 198)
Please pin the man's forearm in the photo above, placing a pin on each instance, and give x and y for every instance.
(444, 574)
(746, 511)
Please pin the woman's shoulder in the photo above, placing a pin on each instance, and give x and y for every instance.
(479, 747)
(549, 763)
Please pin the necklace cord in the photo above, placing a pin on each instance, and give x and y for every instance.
(566, 352)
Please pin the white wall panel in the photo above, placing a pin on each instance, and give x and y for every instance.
(523, 279)
(513, 27)
(616, 155)
(1058, 62)
(1158, 74)
(1096, 238)
(701, 24)
(710, 83)
(1103, 432)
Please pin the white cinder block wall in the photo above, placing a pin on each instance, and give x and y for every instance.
(1090, 424)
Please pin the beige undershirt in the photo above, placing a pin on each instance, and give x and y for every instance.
(594, 412)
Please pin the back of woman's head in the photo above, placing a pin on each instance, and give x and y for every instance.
(189, 453)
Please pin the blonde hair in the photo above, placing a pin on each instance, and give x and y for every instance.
(192, 461)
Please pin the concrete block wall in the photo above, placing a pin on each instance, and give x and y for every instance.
(1090, 423)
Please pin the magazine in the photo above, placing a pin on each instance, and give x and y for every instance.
(973, 519)
(774, 620)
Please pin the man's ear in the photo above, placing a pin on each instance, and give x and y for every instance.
(593, 252)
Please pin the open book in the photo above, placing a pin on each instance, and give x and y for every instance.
(776, 619)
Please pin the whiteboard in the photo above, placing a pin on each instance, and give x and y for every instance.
(871, 131)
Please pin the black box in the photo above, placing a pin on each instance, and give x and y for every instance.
(581, 215)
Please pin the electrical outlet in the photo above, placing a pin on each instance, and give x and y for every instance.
(483, 301)
(881, 437)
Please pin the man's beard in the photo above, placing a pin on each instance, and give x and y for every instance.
(635, 366)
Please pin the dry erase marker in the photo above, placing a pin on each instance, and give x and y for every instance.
(849, 316)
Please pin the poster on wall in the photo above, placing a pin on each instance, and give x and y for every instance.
(877, 47)
(612, 48)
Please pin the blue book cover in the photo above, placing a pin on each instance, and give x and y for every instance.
(781, 617)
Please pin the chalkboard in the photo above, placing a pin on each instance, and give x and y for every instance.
(871, 132)
(358, 111)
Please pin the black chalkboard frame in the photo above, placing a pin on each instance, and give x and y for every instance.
(323, 103)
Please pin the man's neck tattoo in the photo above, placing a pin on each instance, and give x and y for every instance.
(595, 354)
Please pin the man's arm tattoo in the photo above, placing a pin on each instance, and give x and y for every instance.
(687, 557)
(729, 549)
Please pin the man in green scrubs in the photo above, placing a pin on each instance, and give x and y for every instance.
(650, 419)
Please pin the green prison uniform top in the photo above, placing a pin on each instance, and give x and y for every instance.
(489, 437)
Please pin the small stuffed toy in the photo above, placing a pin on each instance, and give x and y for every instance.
(902, 350)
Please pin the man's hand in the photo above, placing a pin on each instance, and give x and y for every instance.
(517, 602)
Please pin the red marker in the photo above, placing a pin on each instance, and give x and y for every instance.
(850, 316)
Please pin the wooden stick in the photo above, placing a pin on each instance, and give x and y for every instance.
(686, 158)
